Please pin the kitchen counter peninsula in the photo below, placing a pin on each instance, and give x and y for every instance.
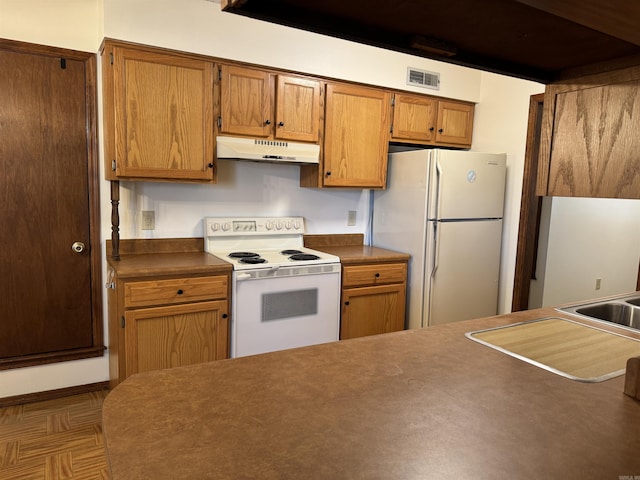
(415, 404)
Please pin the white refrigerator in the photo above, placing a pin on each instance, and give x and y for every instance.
(444, 208)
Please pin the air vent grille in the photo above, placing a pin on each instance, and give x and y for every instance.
(422, 78)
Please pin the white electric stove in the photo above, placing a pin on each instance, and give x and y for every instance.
(283, 294)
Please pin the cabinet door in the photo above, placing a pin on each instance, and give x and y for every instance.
(372, 310)
(594, 152)
(163, 116)
(454, 124)
(297, 109)
(356, 136)
(175, 336)
(414, 118)
(246, 101)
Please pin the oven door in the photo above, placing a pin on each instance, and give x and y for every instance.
(286, 307)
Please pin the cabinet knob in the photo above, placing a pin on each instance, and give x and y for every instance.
(267, 122)
(210, 165)
(281, 124)
(440, 131)
(224, 315)
(346, 303)
(432, 129)
(180, 291)
(328, 174)
(377, 275)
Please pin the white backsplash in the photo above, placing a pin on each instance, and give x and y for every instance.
(244, 188)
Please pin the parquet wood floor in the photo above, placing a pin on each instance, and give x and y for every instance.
(54, 440)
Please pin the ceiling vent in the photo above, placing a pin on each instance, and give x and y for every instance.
(422, 78)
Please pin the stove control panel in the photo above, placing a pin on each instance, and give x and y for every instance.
(241, 226)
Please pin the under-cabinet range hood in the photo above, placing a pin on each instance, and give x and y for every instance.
(274, 151)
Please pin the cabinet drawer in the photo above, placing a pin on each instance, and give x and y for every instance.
(176, 290)
(374, 274)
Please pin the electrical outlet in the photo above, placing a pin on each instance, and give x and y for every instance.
(351, 218)
(148, 220)
(598, 283)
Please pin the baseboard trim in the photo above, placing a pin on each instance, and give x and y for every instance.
(52, 394)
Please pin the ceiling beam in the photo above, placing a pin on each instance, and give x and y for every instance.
(617, 18)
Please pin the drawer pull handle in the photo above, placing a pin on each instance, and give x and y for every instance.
(180, 292)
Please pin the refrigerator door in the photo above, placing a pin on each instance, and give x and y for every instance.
(462, 271)
(466, 184)
(399, 221)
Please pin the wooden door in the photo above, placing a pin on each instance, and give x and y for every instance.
(372, 310)
(414, 118)
(50, 305)
(356, 136)
(164, 116)
(175, 336)
(298, 104)
(454, 125)
(246, 101)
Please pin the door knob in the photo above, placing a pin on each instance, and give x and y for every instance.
(78, 247)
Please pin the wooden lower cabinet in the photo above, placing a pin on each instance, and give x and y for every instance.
(373, 299)
(167, 322)
(166, 337)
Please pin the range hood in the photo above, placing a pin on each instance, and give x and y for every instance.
(274, 151)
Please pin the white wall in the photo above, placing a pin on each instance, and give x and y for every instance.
(500, 125)
(199, 26)
(588, 238)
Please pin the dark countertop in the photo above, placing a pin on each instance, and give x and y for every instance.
(416, 404)
(165, 257)
(351, 250)
(355, 254)
(160, 264)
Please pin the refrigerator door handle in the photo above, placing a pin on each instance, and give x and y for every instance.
(434, 250)
(438, 189)
(434, 267)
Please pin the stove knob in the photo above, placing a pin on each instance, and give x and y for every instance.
(296, 225)
(279, 226)
(269, 225)
(288, 225)
(215, 227)
(225, 227)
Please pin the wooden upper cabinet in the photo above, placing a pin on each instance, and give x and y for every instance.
(454, 123)
(414, 118)
(432, 121)
(298, 108)
(590, 140)
(246, 102)
(257, 103)
(356, 136)
(158, 110)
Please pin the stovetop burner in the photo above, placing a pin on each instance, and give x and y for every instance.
(252, 260)
(290, 252)
(243, 255)
(303, 256)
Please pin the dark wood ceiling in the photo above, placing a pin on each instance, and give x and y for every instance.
(541, 40)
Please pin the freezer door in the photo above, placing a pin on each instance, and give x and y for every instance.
(466, 184)
(462, 271)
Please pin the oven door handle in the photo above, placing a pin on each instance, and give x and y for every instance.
(243, 276)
